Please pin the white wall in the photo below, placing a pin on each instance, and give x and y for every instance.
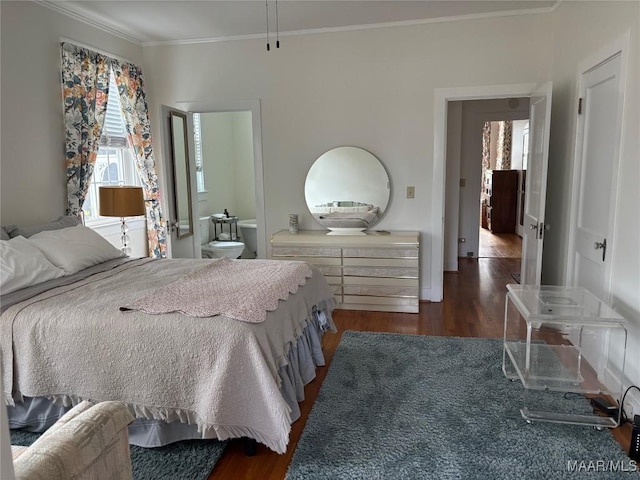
(217, 161)
(243, 160)
(32, 165)
(371, 88)
(581, 29)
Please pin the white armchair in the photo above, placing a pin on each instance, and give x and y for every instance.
(90, 442)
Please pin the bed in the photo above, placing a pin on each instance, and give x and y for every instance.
(81, 335)
(346, 214)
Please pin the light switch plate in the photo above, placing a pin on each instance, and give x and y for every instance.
(411, 192)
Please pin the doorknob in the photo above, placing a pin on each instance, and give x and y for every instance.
(601, 245)
(533, 226)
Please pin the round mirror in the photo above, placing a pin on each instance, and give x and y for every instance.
(347, 190)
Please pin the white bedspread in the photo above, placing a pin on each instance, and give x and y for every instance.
(72, 343)
(237, 289)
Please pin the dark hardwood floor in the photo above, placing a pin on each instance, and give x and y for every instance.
(492, 245)
(473, 306)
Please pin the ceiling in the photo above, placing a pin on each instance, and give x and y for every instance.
(183, 21)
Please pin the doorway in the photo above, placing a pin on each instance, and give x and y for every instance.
(231, 172)
(468, 182)
(503, 179)
(225, 175)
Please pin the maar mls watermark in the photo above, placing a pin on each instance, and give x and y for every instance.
(575, 466)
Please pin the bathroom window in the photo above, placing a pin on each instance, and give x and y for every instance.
(197, 140)
(115, 161)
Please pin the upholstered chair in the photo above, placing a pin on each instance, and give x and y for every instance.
(88, 442)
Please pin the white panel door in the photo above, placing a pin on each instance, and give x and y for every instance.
(536, 185)
(596, 171)
(179, 167)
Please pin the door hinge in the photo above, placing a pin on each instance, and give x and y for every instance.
(579, 106)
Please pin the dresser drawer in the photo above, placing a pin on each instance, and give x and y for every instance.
(382, 291)
(398, 272)
(397, 282)
(330, 270)
(380, 252)
(368, 300)
(381, 262)
(331, 280)
(305, 252)
(317, 261)
(413, 308)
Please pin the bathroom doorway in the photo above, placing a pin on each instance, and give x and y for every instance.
(228, 151)
(225, 179)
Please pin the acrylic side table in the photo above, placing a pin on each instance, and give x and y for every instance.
(564, 345)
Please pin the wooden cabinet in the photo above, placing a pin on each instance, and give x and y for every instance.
(499, 200)
(373, 271)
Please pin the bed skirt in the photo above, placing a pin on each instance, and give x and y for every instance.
(37, 414)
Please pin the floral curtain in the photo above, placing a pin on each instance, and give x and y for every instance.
(85, 86)
(503, 149)
(134, 105)
(486, 146)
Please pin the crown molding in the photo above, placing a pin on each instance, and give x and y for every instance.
(349, 28)
(56, 7)
(312, 31)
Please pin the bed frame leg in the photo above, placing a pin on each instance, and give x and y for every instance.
(250, 446)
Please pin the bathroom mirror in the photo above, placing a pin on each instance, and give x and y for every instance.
(347, 190)
(181, 184)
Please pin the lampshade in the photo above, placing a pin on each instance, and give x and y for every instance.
(121, 201)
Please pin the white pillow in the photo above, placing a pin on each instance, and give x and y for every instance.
(74, 248)
(23, 265)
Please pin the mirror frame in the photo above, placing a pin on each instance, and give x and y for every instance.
(181, 198)
(378, 169)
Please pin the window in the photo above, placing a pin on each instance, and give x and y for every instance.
(115, 163)
(197, 140)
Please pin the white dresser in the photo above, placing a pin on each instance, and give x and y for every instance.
(376, 271)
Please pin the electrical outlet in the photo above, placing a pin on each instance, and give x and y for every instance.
(411, 192)
(469, 254)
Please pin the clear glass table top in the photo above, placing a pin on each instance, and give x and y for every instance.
(562, 305)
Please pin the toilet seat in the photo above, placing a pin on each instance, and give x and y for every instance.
(218, 249)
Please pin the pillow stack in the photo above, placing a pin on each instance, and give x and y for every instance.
(52, 250)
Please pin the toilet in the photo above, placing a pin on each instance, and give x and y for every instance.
(211, 248)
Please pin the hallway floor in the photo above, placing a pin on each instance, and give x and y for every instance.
(499, 245)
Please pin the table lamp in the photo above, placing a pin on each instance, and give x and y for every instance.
(122, 202)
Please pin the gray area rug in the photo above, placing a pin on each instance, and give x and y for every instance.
(414, 407)
(187, 460)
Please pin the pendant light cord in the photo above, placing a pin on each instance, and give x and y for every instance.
(266, 4)
(277, 27)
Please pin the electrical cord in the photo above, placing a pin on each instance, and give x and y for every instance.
(625, 419)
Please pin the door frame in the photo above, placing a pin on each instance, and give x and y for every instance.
(169, 186)
(253, 106)
(618, 46)
(442, 96)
